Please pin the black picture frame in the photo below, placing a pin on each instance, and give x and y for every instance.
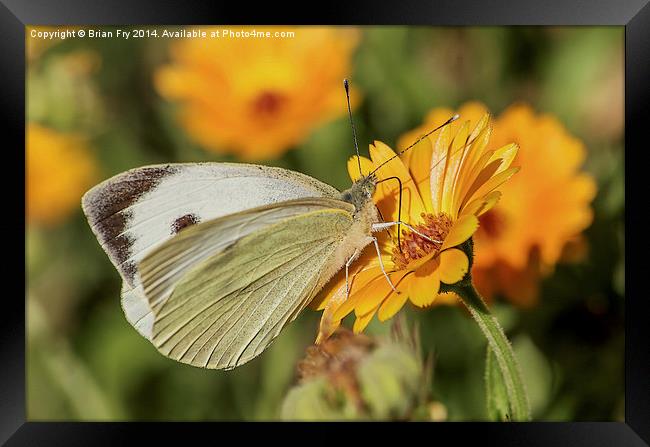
(634, 15)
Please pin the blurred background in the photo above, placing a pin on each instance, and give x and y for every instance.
(99, 106)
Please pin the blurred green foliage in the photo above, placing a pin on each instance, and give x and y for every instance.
(85, 362)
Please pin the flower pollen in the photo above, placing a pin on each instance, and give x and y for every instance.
(414, 246)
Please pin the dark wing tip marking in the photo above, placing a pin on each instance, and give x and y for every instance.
(122, 190)
(104, 204)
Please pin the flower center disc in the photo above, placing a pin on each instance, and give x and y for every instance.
(268, 103)
(414, 246)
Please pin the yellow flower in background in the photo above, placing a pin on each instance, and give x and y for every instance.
(544, 208)
(449, 179)
(258, 97)
(59, 170)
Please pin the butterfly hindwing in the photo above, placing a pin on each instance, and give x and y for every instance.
(229, 301)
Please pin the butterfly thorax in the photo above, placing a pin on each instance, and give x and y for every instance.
(359, 233)
(365, 211)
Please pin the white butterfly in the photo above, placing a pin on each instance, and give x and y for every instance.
(216, 258)
(259, 243)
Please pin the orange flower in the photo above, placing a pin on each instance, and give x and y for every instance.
(258, 97)
(59, 170)
(448, 180)
(543, 210)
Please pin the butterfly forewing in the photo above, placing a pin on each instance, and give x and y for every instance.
(134, 212)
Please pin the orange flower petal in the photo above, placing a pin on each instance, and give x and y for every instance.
(468, 176)
(495, 182)
(353, 167)
(481, 179)
(335, 305)
(439, 165)
(480, 126)
(391, 305)
(507, 153)
(462, 230)
(461, 138)
(358, 284)
(474, 207)
(425, 284)
(361, 322)
(478, 142)
(453, 265)
(419, 166)
(360, 273)
(460, 144)
(323, 296)
(377, 291)
(454, 165)
(328, 324)
(490, 200)
(387, 201)
(482, 205)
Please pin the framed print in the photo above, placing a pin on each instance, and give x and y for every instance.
(410, 214)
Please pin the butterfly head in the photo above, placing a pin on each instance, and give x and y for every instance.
(360, 193)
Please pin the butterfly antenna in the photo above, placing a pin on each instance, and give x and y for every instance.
(449, 121)
(346, 84)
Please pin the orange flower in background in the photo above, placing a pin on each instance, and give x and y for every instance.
(59, 170)
(449, 180)
(258, 97)
(544, 208)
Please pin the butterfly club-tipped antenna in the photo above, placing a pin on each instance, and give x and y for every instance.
(346, 84)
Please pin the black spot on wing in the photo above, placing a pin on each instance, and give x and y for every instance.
(106, 207)
(183, 222)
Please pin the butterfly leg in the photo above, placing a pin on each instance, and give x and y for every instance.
(384, 225)
(381, 265)
(347, 272)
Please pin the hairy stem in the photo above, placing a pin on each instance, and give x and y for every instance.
(500, 346)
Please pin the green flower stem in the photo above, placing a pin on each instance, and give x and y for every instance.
(500, 346)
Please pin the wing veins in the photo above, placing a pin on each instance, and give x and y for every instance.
(208, 306)
(269, 314)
